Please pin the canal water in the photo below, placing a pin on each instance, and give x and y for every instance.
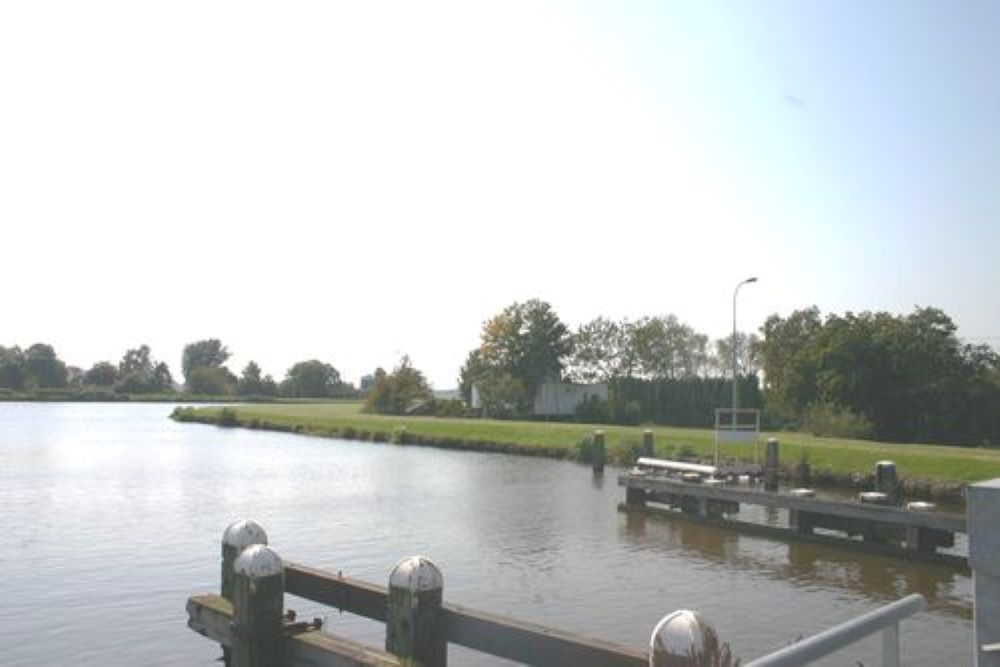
(112, 515)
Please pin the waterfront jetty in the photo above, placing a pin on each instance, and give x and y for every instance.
(249, 621)
(716, 494)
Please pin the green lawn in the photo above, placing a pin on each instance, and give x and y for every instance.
(928, 462)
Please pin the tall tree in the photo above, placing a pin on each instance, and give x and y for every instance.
(208, 353)
(396, 392)
(101, 374)
(43, 368)
(603, 350)
(666, 348)
(312, 379)
(12, 374)
(747, 355)
(527, 342)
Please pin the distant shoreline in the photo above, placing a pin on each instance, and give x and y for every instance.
(927, 471)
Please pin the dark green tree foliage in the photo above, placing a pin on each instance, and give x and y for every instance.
(253, 383)
(208, 353)
(139, 373)
(682, 402)
(520, 348)
(12, 373)
(395, 393)
(313, 379)
(909, 376)
(101, 374)
(43, 369)
(211, 381)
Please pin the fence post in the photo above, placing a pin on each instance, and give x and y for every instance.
(258, 608)
(983, 517)
(599, 455)
(886, 480)
(771, 465)
(238, 536)
(413, 629)
(890, 646)
(647, 444)
(685, 639)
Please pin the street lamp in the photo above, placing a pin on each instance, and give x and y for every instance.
(735, 366)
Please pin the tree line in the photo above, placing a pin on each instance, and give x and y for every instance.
(203, 364)
(869, 375)
(657, 368)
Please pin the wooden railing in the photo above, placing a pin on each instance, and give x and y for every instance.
(249, 621)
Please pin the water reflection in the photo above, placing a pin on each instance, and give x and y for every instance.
(946, 588)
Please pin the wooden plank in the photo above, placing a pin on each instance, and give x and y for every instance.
(532, 644)
(321, 649)
(784, 534)
(212, 616)
(351, 595)
(481, 631)
(940, 521)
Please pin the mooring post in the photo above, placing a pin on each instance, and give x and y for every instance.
(684, 639)
(258, 608)
(771, 463)
(886, 481)
(238, 536)
(647, 444)
(598, 456)
(983, 517)
(413, 629)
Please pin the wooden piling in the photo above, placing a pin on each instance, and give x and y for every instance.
(258, 608)
(771, 463)
(886, 481)
(414, 627)
(599, 456)
(647, 444)
(238, 536)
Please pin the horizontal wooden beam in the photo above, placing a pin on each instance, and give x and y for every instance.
(212, 616)
(938, 520)
(352, 595)
(481, 631)
(532, 644)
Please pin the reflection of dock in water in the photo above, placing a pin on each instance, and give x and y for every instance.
(911, 532)
(880, 576)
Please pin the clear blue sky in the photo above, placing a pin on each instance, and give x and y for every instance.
(356, 181)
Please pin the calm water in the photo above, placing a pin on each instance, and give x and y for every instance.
(112, 516)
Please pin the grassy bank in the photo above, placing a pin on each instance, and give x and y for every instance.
(929, 470)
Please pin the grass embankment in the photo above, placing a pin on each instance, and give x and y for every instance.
(930, 470)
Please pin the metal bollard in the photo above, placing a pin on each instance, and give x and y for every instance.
(685, 639)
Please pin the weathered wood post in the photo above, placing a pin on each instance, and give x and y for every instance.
(983, 517)
(413, 629)
(238, 536)
(685, 639)
(598, 456)
(647, 444)
(886, 481)
(771, 463)
(258, 608)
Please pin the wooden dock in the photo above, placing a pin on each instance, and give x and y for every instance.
(250, 623)
(904, 530)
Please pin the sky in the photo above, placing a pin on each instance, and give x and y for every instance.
(357, 181)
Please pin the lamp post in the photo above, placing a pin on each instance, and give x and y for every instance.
(735, 346)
